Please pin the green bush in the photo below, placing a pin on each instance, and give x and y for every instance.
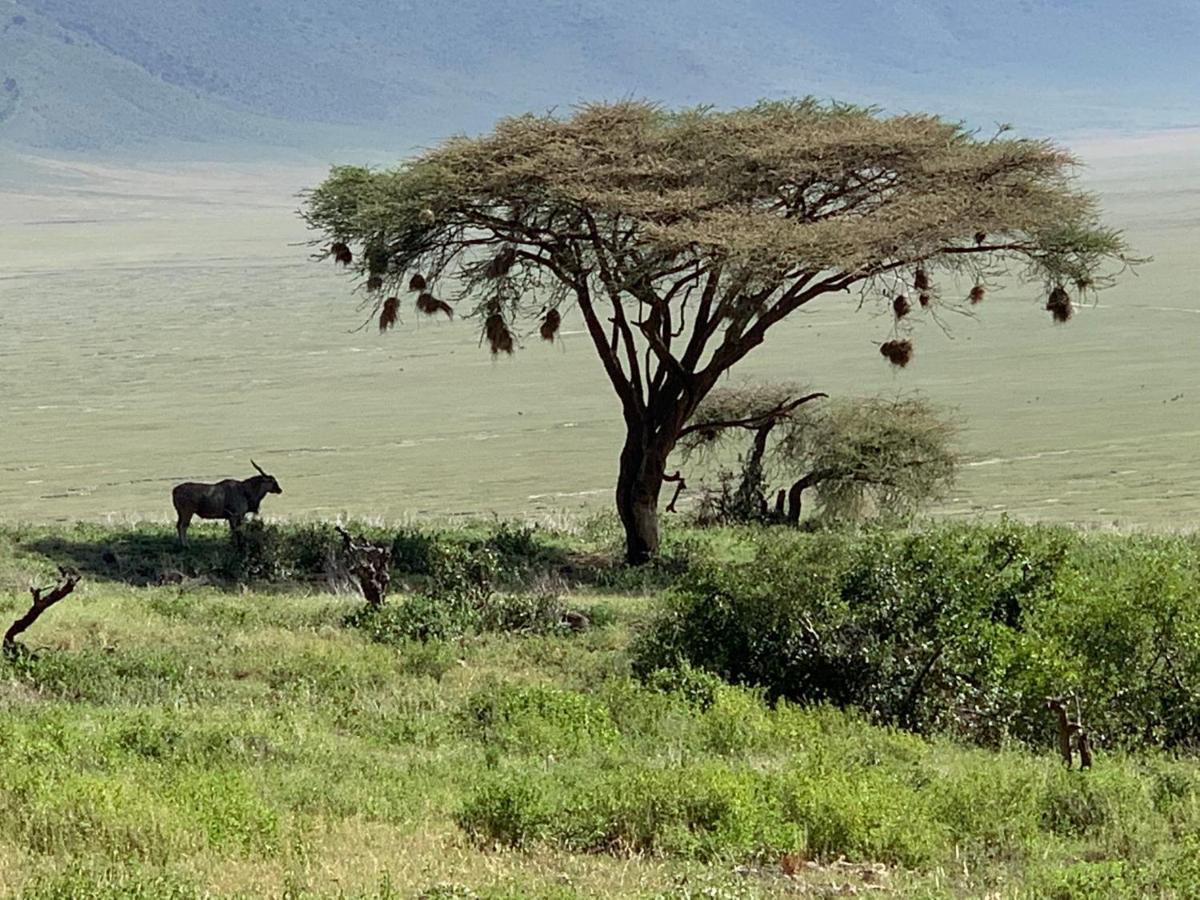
(413, 551)
(957, 629)
(529, 613)
(509, 810)
(417, 617)
(538, 720)
(273, 553)
(518, 546)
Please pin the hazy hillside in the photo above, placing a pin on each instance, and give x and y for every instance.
(107, 74)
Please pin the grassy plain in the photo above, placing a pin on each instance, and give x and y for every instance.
(206, 739)
(160, 324)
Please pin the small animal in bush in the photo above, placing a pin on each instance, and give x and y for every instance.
(230, 499)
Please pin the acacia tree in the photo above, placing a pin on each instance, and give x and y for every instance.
(683, 237)
(858, 455)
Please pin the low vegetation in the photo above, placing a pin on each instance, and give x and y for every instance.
(524, 717)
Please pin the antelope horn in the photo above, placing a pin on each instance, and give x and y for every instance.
(257, 466)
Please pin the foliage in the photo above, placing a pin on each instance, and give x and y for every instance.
(963, 630)
(538, 720)
(874, 455)
(413, 551)
(864, 458)
(187, 741)
(754, 189)
(460, 596)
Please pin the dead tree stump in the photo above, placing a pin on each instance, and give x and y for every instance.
(43, 599)
(370, 564)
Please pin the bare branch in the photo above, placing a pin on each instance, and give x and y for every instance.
(43, 599)
(756, 420)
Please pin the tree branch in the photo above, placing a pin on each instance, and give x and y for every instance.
(757, 420)
(42, 601)
(629, 399)
(620, 322)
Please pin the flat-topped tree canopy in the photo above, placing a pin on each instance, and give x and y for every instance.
(683, 236)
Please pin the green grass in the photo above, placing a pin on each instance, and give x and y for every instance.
(227, 741)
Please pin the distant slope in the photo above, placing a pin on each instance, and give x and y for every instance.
(104, 74)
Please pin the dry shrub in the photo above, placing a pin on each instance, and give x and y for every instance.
(550, 325)
(1059, 304)
(430, 305)
(389, 313)
(898, 352)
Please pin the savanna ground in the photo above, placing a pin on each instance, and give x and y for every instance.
(245, 729)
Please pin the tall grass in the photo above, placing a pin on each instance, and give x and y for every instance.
(215, 740)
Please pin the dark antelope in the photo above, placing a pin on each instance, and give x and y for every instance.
(230, 499)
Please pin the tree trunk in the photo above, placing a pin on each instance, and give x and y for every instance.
(793, 496)
(643, 465)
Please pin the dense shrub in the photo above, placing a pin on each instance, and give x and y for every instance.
(538, 719)
(519, 547)
(459, 596)
(413, 551)
(956, 629)
(417, 617)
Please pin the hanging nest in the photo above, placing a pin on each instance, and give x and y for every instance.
(1059, 304)
(429, 304)
(901, 307)
(921, 280)
(375, 282)
(980, 237)
(550, 325)
(499, 338)
(341, 253)
(1084, 283)
(976, 295)
(389, 313)
(500, 264)
(417, 282)
(898, 353)
(925, 298)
